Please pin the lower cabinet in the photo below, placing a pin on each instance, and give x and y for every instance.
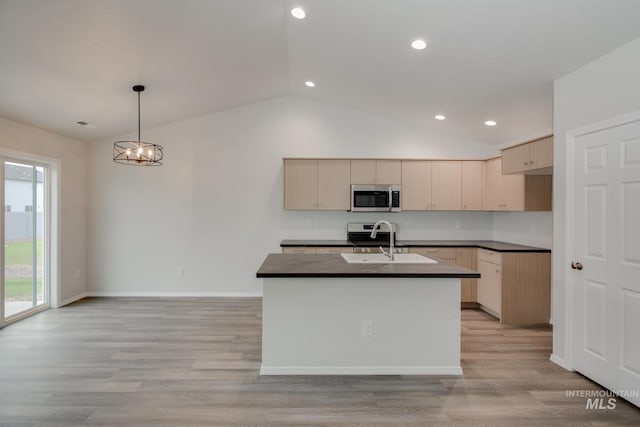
(317, 250)
(490, 282)
(464, 257)
(467, 258)
(515, 286)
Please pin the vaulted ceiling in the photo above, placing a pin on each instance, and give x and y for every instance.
(64, 61)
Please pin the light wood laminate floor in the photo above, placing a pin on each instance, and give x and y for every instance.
(183, 362)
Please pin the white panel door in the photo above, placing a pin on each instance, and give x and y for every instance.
(606, 257)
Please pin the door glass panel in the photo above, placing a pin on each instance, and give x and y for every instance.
(24, 238)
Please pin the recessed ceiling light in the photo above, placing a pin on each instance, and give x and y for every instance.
(490, 123)
(298, 13)
(418, 44)
(439, 117)
(309, 83)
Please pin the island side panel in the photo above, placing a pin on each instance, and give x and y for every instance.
(316, 326)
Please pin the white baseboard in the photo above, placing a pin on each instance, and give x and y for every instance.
(72, 299)
(361, 370)
(560, 362)
(175, 294)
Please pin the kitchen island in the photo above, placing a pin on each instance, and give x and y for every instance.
(324, 316)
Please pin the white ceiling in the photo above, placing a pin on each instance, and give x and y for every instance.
(62, 61)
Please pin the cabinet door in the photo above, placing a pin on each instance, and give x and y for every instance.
(416, 185)
(516, 159)
(490, 286)
(472, 185)
(446, 185)
(388, 172)
(363, 171)
(541, 153)
(334, 184)
(300, 184)
(512, 193)
(466, 257)
(492, 185)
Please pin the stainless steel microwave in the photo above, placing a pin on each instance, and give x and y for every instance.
(375, 198)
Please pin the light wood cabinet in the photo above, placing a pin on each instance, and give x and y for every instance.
(472, 185)
(300, 184)
(515, 286)
(334, 184)
(490, 282)
(445, 254)
(464, 257)
(535, 157)
(451, 185)
(431, 185)
(376, 172)
(416, 185)
(317, 250)
(501, 192)
(467, 257)
(317, 184)
(299, 250)
(446, 185)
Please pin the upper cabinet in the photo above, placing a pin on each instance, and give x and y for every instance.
(300, 184)
(531, 158)
(472, 185)
(431, 185)
(334, 184)
(514, 192)
(376, 172)
(416, 185)
(317, 184)
(446, 185)
(501, 192)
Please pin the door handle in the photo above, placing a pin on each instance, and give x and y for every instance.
(576, 265)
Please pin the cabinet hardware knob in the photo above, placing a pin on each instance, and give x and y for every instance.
(576, 265)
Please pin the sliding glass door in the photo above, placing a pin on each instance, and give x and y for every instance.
(24, 286)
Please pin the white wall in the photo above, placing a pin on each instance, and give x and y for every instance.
(604, 89)
(71, 155)
(524, 228)
(215, 206)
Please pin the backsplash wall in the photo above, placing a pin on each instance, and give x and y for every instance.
(411, 225)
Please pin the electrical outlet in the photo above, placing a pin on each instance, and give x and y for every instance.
(180, 271)
(532, 229)
(457, 225)
(367, 328)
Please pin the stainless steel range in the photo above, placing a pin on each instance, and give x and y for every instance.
(359, 234)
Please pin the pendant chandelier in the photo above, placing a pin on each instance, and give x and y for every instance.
(137, 153)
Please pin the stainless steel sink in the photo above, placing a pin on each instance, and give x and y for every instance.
(383, 259)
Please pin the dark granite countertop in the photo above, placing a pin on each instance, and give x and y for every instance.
(316, 265)
(484, 244)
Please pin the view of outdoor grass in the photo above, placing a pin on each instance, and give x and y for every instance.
(19, 270)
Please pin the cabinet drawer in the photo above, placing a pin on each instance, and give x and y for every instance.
(298, 250)
(334, 250)
(448, 254)
(490, 256)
